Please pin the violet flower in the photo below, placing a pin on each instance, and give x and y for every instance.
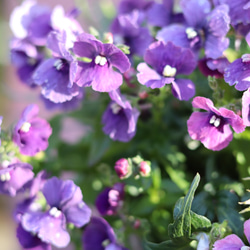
(99, 72)
(238, 73)
(99, 235)
(212, 128)
(127, 6)
(168, 61)
(204, 28)
(31, 132)
(232, 241)
(246, 107)
(53, 74)
(110, 199)
(13, 176)
(120, 118)
(64, 200)
(31, 21)
(213, 67)
(26, 58)
(127, 30)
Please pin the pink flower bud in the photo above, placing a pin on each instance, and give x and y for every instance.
(122, 168)
(144, 169)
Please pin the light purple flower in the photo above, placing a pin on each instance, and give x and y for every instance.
(110, 199)
(99, 72)
(120, 118)
(99, 235)
(64, 200)
(31, 132)
(232, 241)
(204, 28)
(246, 107)
(238, 73)
(238, 10)
(13, 176)
(53, 74)
(127, 6)
(31, 21)
(127, 30)
(212, 128)
(26, 58)
(167, 61)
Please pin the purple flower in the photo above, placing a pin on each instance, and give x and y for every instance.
(53, 74)
(213, 67)
(167, 61)
(120, 118)
(64, 200)
(26, 58)
(127, 30)
(31, 21)
(212, 128)
(162, 14)
(31, 132)
(232, 241)
(238, 73)
(127, 6)
(30, 241)
(238, 10)
(204, 28)
(99, 235)
(110, 199)
(13, 176)
(99, 72)
(246, 107)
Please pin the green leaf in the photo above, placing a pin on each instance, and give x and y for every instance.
(199, 222)
(167, 245)
(181, 228)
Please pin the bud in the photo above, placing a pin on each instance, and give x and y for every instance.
(108, 38)
(144, 169)
(122, 168)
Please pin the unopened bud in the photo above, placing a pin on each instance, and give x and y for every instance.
(144, 168)
(108, 38)
(122, 168)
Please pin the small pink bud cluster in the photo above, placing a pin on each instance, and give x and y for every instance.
(144, 169)
(122, 168)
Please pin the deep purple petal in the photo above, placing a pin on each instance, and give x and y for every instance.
(238, 73)
(232, 242)
(183, 89)
(84, 49)
(96, 232)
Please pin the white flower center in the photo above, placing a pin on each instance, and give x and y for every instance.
(101, 60)
(215, 121)
(115, 108)
(245, 58)
(245, 248)
(55, 212)
(25, 127)
(58, 64)
(5, 177)
(169, 71)
(191, 33)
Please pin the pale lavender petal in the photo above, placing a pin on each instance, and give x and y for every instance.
(234, 120)
(175, 33)
(195, 11)
(106, 79)
(204, 103)
(238, 73)
(232, 242)
(247, 229)
(215, 46)
(183, 89)
(246, 107)
(84, 49)
(151, 78)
